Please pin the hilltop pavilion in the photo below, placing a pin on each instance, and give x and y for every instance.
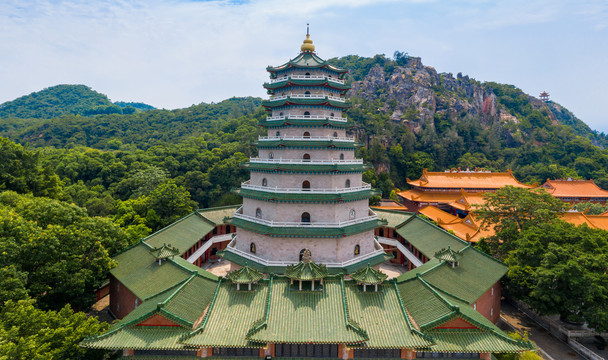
(304, 250)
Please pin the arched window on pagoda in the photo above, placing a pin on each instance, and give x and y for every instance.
(306, 185)
(306, 135)
(258, 213)
(270, 155)
(305, 219)
(278, 133)
(352, 214)
(302, 253)
(264, 182)
(332, 115)
(335, 134)
(306, 157)
(252, 248)
(347, 183)
(307, 74)
(341, 156)
(280, 114)
(306, 113)
(307, 93)
(357, 249)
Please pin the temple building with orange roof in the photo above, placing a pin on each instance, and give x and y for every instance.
(575, 191)
(455, 188)
(467, 228)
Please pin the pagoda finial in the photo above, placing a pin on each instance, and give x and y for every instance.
(307, 45)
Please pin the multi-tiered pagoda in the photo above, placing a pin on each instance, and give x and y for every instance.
(306, 190)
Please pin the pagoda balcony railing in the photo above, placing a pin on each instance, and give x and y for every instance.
(305, 117)
(307, 77)
(378, 250)
(305, 161)
(307, 96)
(322, 138)
(248, 185)
(297, 224)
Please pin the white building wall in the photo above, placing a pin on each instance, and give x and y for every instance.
(317, 181)
(289, 212)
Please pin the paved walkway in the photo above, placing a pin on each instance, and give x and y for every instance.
(548, 344)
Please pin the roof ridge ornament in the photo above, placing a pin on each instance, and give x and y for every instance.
(307, 45)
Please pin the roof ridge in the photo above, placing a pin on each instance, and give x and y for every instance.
(350, 322)
(178, 290)
(168, 226)
(430, 287)
(452, 235)
(405, 314)
(167, 289)
(202, 327)
(263, 321)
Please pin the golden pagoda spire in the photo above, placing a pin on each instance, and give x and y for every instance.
(307, 45)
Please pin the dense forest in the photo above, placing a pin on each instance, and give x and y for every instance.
(82, 178)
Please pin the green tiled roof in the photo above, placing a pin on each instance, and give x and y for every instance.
(245, 275)
(304, 101)
(298, 317)
(474, 275)
(421, 303)
(448, 254)
(139, 271)
(306, 271)
(231, 317)
(369, 275)
(394, 218)
(305, 196)
(464, 340)
(216, 215)
(306, 82)
(164, 252)
(139, 338)
(306, 167)
(428, 238)
(306, 60)
(329, 143)
(190, 300)
(237, 259)
(306, 122)
(380, 315)
(305, 231)
(182, 234)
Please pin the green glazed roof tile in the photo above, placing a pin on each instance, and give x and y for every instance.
(164, 252)
(428, 238)
(231, 317)
(306, 60)
(306, 271)
(139, 338)
(245, 275)
(298, 317)
(306, 122)
(216, 215)
(182, 234)
(304, 101)
(369, 275)
(394, 218)
(448, 254)
(306, 82)
(380, 315)
(305, 196)
(329, 143)
(474, 341)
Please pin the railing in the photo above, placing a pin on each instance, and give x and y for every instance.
(305, 161)
(305, 96)
(239, 215)
(307, 77)
(322, 138)
(305, 117)
(405, 251)
(231, 247)
(206, 245)
(247, 185)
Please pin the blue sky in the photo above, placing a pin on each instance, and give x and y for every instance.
(173, 54)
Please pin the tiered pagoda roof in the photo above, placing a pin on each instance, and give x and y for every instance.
(306, 60)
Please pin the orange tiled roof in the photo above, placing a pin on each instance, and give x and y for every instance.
(462, 179)
(467, 199)
(599, 221)
(465, 228)
(576, 218)
(430, 196)
(574, 188)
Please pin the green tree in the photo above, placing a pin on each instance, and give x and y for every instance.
(27, 333)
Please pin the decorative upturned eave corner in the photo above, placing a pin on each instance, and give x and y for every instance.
(164, 252)
(369, 276)
(448, 255)
(245, 275)
(306, 270)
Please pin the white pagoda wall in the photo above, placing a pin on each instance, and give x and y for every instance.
(288, 212)
(317, 181)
